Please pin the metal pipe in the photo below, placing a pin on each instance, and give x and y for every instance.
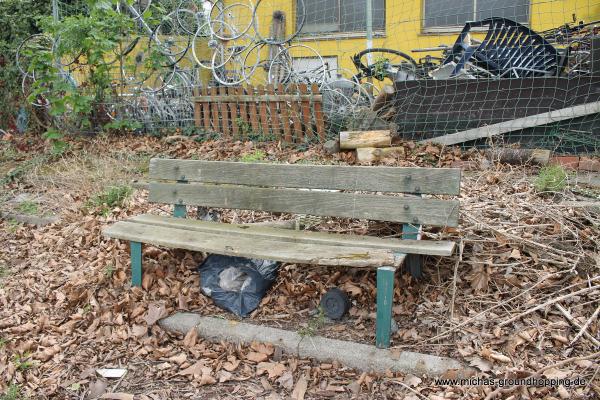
(369, 13)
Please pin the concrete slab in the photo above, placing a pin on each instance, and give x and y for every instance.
(354, 355)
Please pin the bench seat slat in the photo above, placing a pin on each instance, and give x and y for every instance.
(334, 204)
(355, 178)
(426, 247)
(254, 247)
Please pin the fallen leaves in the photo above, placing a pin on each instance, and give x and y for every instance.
(300, 389)
(67, 305)
(155, 313)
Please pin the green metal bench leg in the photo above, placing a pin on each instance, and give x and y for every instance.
(136, 263)
(385, 300)
(179, 211)
(414, 262)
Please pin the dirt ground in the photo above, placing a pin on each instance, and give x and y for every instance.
(520, 298)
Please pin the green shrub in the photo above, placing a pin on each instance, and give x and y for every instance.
(28, 207)
(258, 155)
(112, 197)
(13, 392)
(551, 178)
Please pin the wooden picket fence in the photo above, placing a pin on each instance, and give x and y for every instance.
(290, 114)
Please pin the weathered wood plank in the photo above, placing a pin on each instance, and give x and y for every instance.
(273, 113)
(263, 112)
(319, 116)
(249, 98)
(253, 111)
(243, 114)
(244, 246)
(224, 113)
(427, 247)
(197, 110)
(206, 118)
(306, 115)
(335, 204)
(233, 109)
(285, 117)
(215, 111)
(370, 154)
(296, 116)
(355, 178)
(517, 124)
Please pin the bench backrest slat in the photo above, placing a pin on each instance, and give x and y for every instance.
(324, 203)
(333, 177)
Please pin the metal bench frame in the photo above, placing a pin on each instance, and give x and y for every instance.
(334, 191)
(509, 50)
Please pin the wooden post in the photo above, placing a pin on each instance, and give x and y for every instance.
(385, 300)
(385, 97)
(136, 263)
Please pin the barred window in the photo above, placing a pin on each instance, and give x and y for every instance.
(439, 13)
(324, 16)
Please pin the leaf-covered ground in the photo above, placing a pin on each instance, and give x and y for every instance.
(520, 298)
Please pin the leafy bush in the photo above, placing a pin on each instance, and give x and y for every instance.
(551, 178)
(19, 19)
(95, 52)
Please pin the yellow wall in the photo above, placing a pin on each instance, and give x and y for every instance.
(404, 26)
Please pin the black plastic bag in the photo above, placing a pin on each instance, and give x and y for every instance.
(237, 284)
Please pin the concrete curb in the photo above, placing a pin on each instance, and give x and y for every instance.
(354, 355)
(29, 219)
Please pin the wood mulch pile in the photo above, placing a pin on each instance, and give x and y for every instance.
(520, 298)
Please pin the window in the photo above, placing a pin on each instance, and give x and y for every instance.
(443, 13)
(324, 16)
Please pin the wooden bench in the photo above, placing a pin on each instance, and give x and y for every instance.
(320, 190)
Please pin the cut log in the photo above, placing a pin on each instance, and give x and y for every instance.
(519, 156)
(384, 98)
(351, 140)
(370, 154)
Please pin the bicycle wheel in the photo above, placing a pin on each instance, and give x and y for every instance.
(169, 38)
(141, 6)
(29, 48)
(232, 22)
(191, 14)
(282, 69)
(275, 34)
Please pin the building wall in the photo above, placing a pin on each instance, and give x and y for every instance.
(404, 20)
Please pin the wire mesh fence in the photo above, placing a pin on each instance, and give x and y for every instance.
(455, 71)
